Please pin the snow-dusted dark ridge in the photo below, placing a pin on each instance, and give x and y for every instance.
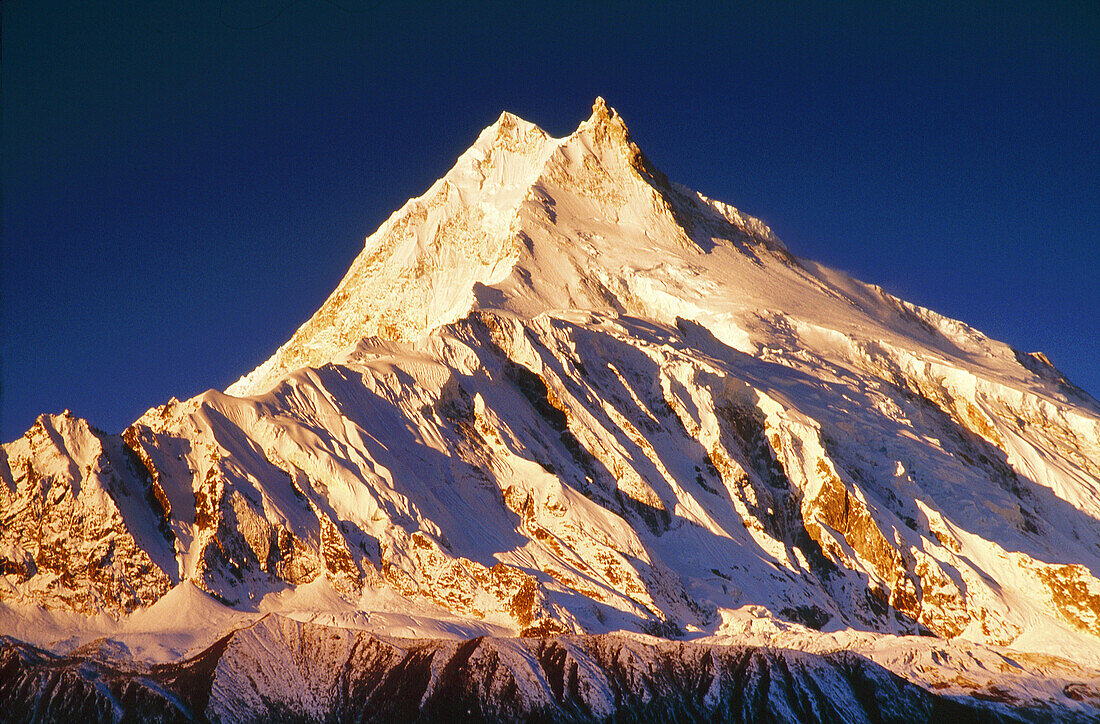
(559, 394)
(287, 671)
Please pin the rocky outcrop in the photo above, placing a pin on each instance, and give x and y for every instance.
(80, 527)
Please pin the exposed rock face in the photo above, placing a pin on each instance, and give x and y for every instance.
(281, 670)
(79, 522)
(559, 393)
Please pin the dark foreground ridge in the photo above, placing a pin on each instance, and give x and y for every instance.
(285, 671)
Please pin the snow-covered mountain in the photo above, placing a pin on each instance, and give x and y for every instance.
(559, 396)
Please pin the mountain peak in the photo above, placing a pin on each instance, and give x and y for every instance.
(508, 133)
(558, 393)
(494, 221)
(606, 124)
(600, 109)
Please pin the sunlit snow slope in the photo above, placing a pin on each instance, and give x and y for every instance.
(560, 393)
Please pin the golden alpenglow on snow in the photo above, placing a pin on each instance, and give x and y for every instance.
(570, 440)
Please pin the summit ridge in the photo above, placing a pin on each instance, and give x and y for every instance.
(470, 229)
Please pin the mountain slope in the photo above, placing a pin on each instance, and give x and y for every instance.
(560, 393)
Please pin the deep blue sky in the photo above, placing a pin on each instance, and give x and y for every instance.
(185, 182)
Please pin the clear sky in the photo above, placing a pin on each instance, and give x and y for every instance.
(185, 182)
